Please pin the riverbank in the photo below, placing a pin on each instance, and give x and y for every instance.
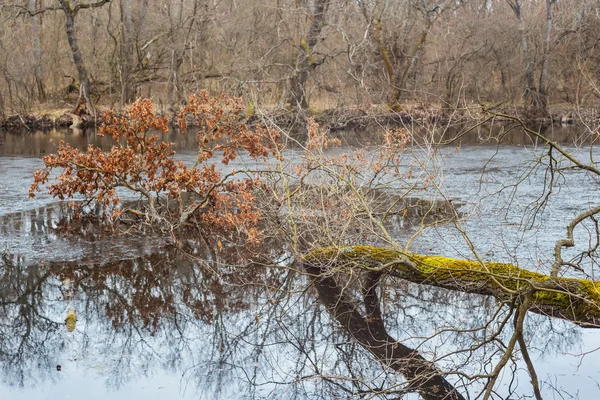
(331, 119)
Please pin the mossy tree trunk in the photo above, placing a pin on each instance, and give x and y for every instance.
(575, 300)
(347, 281)
(305, 62)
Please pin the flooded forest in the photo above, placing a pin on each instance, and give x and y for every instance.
(307, 199)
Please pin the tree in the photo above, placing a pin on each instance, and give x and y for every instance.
(401, 67)
(537, 98)
(529, 93)
(84, 102)
(142, 164)
(41, 90)
(295, 52)
(306, 61)
(351, 280)
(127, 54)
(182, 28)
(320, 207)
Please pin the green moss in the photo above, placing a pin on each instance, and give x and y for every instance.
(314, 112)
(304, 46)
(394, 106)
(508, 275)
(250, 109)
(307, 52)
(574, 299)
(551, 298)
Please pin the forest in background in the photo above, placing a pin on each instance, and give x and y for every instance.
(300, 54)
(372, 234)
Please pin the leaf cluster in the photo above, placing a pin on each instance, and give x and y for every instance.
(141, 163)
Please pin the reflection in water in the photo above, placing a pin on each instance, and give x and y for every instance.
(147, 312)
(231, 327)
(511, 133)
(226, 322)
(47, 233)
(39, 143)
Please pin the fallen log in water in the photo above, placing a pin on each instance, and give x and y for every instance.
(575, 300)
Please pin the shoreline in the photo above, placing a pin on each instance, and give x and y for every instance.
(331, 119)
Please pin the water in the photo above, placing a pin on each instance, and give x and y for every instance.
(155, 323)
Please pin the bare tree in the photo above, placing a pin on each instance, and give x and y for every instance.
(84, 103)
(37, 52)
(401, 68)
(127, 54)
(183, 23)
(306, 61)
(536, 98)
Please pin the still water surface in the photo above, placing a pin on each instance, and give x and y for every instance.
(154, 324)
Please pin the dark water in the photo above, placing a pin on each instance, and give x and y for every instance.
(23, 143)
(153, 322)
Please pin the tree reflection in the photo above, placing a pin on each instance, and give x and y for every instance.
(234, 323)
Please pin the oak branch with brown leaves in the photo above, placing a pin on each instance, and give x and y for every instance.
(143, 164)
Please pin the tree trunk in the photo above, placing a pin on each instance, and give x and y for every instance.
(409, 70)
(182, 29)
(172, 84)
(530, 90)
(389, 67)
(37, 53)
(305, 63)
(543, 86)
(2, 116)
(575, 300)
(532, 97)
(84, 103)
(377, 35)
(398, 81)
(127, 90)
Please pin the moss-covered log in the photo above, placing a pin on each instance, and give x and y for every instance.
(576, 300)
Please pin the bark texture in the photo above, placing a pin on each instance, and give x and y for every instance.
(306, 63)
(84, 104)
(575, 300)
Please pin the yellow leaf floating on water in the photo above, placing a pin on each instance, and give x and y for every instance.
(71, 319)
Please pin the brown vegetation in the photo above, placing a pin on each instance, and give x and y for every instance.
(343, 54)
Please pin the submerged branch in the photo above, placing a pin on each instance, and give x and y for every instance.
(575, 300)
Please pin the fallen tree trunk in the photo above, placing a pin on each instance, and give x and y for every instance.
(575, 300)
